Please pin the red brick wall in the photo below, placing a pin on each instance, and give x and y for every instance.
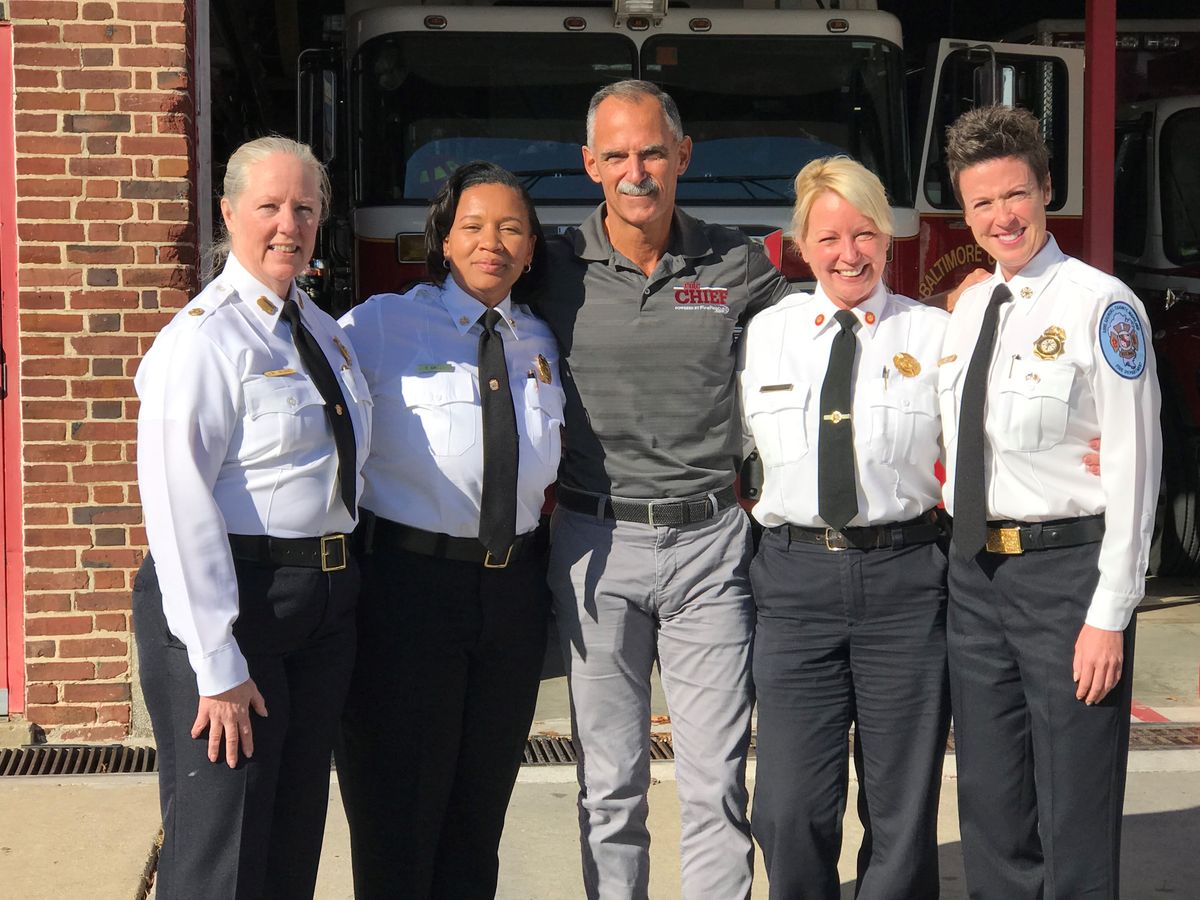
(107, 248)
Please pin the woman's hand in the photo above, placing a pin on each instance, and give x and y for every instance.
(1098, 663)
(973, 277)
(1091, 461)
(227, 715)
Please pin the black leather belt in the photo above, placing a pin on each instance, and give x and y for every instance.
(326, 553)
(922, 530)
(1019, 537)
(384, 535)
(684, 511)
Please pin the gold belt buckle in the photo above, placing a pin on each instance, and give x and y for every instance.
(831, 535)
(489, 563)
(1004, 540)
(328, 541)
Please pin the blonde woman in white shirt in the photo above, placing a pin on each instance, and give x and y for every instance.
(840, 395)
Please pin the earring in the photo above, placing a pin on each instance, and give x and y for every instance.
(446, 263)
(528, 268)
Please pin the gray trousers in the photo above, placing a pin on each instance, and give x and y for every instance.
(625, 594)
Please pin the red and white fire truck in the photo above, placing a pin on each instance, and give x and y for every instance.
(763, 86)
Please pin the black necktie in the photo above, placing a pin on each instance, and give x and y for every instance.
(498, 503)
(837, 495)
(970, 488)
(330, 389)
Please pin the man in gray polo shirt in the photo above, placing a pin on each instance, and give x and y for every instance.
(650, 549)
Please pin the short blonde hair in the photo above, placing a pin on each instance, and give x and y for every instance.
(850, 180)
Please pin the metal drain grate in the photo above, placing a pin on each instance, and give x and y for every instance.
(66, 759)
(63, 759)
(559, 751)
(1164, 737)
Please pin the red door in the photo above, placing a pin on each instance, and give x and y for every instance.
(12, 653)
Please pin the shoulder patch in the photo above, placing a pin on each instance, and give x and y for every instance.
(1122, 340)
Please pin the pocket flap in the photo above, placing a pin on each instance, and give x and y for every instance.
(289, 394)
(438, 389)
(1041, 380)
(775, 398)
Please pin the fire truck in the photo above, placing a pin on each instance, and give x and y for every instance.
(412, 91)
(1156, 239)
(763, 86)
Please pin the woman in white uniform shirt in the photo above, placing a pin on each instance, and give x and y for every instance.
(839, 391)
(453, 614)
(1048, 563)
(253, 413)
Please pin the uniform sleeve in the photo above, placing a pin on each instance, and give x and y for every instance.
(190, 400)
(765, 283)
(364, 329)
(1131, 458)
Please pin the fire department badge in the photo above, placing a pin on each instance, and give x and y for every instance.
(543, 369)
(1050, 344)
(906, 365)
(1122, 340)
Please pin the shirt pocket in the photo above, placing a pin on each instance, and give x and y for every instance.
(284, 414)
(950, 376)
(778, 423)
(447, 408)
(904, 421)
(544, 419)
(1031, 406)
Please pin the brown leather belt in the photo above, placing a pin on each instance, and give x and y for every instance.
(682, 511)
(327, 553)
(922, 530)
(382, 535)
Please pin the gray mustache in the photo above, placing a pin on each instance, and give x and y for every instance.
(643, 188)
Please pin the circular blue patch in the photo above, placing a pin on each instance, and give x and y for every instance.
(1122, 340)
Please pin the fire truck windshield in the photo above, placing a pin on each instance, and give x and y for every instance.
(757, 107)
(1181, 187)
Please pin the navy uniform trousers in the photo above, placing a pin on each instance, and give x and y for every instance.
(843, 637)
(1041, 775)
(254, 831)
(449, 664)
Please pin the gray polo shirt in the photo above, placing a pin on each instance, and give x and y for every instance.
(649, 363)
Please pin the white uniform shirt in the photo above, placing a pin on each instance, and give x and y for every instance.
(1041, 413)
(419, 352)
(226, 448)
(894, 415)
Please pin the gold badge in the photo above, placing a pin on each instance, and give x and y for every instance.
(837, 416)
(342, 349)
(947, 359)
(1050, 344)
(906, 365)
(266, 306)
(543, 369)
(195, 311)
(463, 320)
(494, 384)
(1026, 292)
(870, 317)
(275, 373)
